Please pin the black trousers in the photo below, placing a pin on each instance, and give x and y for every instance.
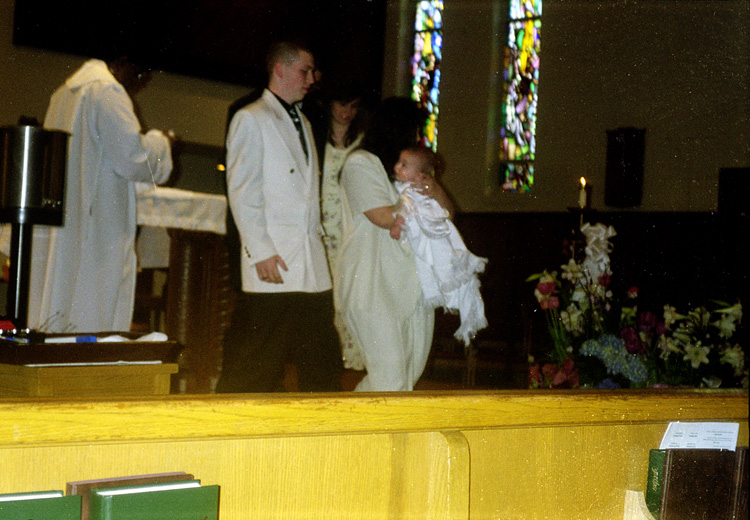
(269, 330)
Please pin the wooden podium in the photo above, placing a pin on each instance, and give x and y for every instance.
(86, 381)
(96, 369)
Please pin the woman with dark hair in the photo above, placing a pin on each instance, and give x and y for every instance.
(376, 285)
(339, 133)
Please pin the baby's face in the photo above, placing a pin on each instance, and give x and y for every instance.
(407, 168)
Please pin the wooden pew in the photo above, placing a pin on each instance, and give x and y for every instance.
(451, 455)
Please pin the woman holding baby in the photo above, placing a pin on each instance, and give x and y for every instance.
(376, 285)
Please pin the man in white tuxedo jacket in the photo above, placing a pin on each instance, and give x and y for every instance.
(285, 310)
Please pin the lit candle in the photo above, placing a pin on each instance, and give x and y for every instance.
(582, 194)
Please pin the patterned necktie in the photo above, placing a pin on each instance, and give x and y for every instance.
(298, 124)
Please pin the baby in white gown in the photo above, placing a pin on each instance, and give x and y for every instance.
(447, 271)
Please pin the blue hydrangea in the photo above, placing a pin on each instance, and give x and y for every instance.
(611, 351)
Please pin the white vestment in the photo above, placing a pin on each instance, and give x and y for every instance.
(447, 271)
(83, 273)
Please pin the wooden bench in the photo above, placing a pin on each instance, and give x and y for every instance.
(421, 455)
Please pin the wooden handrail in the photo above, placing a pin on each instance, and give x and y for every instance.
(63, 421)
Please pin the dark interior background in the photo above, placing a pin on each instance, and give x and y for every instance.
(223, 40)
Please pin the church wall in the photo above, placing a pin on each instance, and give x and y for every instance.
(675, 68)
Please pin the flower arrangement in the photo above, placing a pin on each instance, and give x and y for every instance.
(603, 341)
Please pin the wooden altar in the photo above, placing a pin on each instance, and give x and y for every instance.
(528, 455)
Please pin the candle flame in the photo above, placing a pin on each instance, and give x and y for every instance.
(583, 182)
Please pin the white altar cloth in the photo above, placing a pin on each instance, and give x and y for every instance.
(159, 208)
(181, 209)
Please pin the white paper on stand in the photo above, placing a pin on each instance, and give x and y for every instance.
(701, 435)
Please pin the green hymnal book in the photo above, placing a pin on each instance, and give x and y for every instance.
(44, 505)
(168, 501)
(84, 487)
(655, 479)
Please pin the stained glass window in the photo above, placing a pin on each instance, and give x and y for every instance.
(425, 64)
(518, 128)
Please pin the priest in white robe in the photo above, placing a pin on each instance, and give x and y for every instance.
(83, 273)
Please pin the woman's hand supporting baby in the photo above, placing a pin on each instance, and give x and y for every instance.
(397, 227)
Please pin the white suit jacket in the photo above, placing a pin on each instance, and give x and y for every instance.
(83, 274)
(273, 193)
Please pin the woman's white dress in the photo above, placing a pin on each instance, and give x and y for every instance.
(377, 287)
(330, 215)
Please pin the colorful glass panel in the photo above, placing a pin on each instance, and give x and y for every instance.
(521, 75)
(425, 64)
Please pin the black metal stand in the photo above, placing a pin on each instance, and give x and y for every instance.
(32, 188)
(20, 266)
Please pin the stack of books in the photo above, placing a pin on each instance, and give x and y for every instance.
(162, 496)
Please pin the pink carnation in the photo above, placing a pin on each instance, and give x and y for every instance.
(546, 288)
